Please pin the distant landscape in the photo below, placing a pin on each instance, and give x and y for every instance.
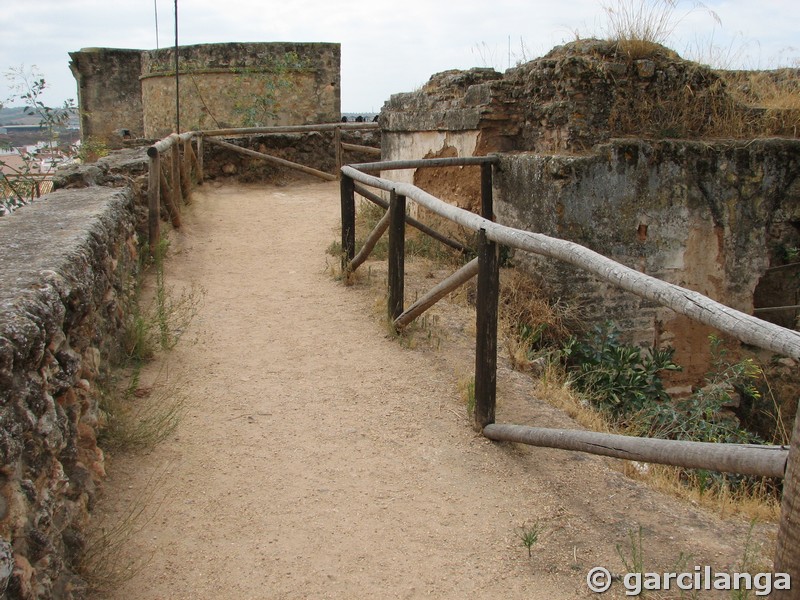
(15, 115)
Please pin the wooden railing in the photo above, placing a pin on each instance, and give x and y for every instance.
(186, 164)
(744, 459)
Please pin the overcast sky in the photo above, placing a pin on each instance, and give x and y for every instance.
(387, 46)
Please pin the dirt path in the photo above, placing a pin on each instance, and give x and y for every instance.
(321, 459)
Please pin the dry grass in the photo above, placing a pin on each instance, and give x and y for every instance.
(104, 564)
(641, 27)
(529, 322)
(757, 502)
(137, 417)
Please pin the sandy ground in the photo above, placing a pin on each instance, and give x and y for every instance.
(320, 458)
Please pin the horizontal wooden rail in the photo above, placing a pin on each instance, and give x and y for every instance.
(744, 327)
(447, 285)
(273, 159)
(290, 129)
(397, 165)
(167, 143)
(762, 461)
(365, 149)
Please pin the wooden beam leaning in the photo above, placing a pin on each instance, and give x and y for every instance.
(153, 202)
(397, 255)
(365, 149)
(274, 160)
(370, 242)
(348, 209)
(374, 198)
(762, 461)
(486, 335)
(454, 281)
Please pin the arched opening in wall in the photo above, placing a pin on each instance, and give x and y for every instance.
(777, 296)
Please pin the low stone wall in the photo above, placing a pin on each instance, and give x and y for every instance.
(68, 263)
(314, 150)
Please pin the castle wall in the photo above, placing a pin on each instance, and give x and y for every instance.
(109, 93)
(132, 92)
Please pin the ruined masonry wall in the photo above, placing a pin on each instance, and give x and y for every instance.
(708, 217)
(67, 263)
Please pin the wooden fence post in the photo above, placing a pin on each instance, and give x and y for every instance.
(337, 150)
(787, 552)
(176, 177)
(397, 254)
(153, 192)
(199, 160)
(486, 336)
(348, 200)
(487, 202)
(186, 171)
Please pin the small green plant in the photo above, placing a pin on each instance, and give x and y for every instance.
(529, 535)
(632, 557)
(163, 323)
(91, 149)
(749, 563)
(467, 387)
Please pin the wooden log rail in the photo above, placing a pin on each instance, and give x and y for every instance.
(746, 328)
(179, 186)
(188, 169)
(745, 459)
(694, 305)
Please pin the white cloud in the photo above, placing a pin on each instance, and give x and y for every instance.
(387, 47)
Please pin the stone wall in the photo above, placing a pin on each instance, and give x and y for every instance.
(67, 265)
(242, 85)
(132, 92)
(315, 149)
(109, 93)
(709, 217)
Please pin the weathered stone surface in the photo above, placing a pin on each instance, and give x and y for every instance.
(109, 93)
(699, 215)
(59, 258)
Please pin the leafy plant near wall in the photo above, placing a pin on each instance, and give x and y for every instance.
(27, 86)
(619, 379)
(624, 382)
